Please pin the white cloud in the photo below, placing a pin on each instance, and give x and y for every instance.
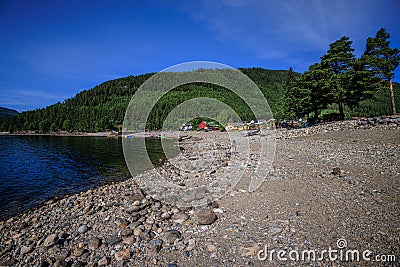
(290, 29)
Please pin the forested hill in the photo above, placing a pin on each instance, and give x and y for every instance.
(103, 107)
(7, 112)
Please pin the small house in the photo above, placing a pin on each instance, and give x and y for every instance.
(203, 126)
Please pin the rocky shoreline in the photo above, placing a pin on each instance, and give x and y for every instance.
(306, 202)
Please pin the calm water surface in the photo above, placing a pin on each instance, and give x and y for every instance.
(36, 168)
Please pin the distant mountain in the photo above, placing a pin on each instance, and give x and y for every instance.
(7, 112)
(103, 107)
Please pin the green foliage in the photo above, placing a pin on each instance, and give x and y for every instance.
(309, 93)
(339, 60)
(353, 84)
(103, 107)
(381, 59)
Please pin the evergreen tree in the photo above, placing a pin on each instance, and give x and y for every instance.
(290, 96)
(315, 81)
(339, 60)
(382, 60)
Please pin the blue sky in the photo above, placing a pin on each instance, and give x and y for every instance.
(51, 50)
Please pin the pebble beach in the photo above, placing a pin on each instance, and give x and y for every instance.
(334, 181)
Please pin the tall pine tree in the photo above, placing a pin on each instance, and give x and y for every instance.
(382, 60)
(339, 60)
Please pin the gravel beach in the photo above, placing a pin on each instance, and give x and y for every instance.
(328, 182)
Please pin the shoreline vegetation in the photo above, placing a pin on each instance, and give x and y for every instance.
(324, 169)
(175, 134)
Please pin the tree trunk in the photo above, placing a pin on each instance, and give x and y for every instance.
(392, 97)
(341, 112)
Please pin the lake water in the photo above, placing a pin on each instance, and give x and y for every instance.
(36, 168)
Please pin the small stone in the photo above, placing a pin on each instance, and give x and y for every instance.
(211, 248)
(122, 255)
(149, 221)
(180, 217)
(336, 171)
(50, 240)
(129, 240)
(83, 229)
(111, 240)
(145, 235)
(249, 250)
(126, 232)
(103, 262)
(156, 242)
(170, 236)
(94, 243)
(165, 216)
(205, 216)
(78, 252)
(63, 254)
(123, 224)
(133, 209)
(218, 210)
(151, 252)
(137, 196)
(17, 236)
(213, 204)
(25, 250)
(191, 244)
(136, 203)
(137, 231)
(155, 247)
